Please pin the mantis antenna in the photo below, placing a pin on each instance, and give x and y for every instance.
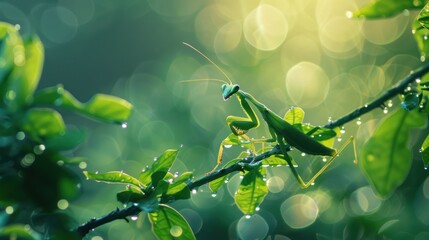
(208, 59)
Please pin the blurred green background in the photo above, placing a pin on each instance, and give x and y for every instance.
(309, 54)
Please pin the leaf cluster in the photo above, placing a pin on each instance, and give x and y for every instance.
(35, 142)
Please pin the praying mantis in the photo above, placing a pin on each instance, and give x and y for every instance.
(282, 132)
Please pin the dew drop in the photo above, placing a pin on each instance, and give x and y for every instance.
(134, 218)
(227, 146)
(176, 174)
(170, 180)
(418, 80)
(349, 14)
(390, 103)
(343, 130)
(413, 31)
(248, 216)
(385, 110)
(303, 154)
(339, 139)
(257, 209)
(60, 163)
(312, 184)
(155, 158)
(422, 58)
(96, 172)
(366, 105)
(124, 125)
(241, 176)
(324, 159)
(181, 145)
(176, 231)
(17, 27)
(330, 120)
(358, 122)
(194, 191)
(214, 194)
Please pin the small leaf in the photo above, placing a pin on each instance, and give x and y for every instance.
(386, 158)
(421, 34)
(274, 160)
(43, 122)
(295, 115)
(131, 195)
(387, 8)
(70, 139)
(218, 182)
(101, 106)
(24, 79)
(178, 188)
(19, 231)
(108, 108)
(424, 150)
(160, 167)
(251, 192)
(149, 204)
(167, 224)
(113, 177)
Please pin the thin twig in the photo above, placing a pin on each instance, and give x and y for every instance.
(134, 210)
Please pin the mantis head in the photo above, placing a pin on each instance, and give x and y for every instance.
(228, 90)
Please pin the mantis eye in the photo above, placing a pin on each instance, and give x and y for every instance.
(229, 90)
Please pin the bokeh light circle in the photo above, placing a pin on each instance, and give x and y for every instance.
(58, 24)
(228, 37)
(363, 201)
(275, 184)
(193, 218)
(299, 211)
(307, 84)
(385, 31)
(253, 227)
(265, 28)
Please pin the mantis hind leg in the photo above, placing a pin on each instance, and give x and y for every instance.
(301, 182)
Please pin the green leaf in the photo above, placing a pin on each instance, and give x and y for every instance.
(218, 182)
(167, 223)
(179, 188)
(274, 160)
(421, 35)
(133, 194)
(149, 204)
(108, 108)
(387, 8)
(12, 54)
(159, 167)
(24, 78)
(294, 115)
(19, 231)
(424, 150)
(113, 177)
(251, 192)
(386, 158)
(68, 140)
(43, 123)
(101, 106)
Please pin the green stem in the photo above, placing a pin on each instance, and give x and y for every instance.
(134, 210)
